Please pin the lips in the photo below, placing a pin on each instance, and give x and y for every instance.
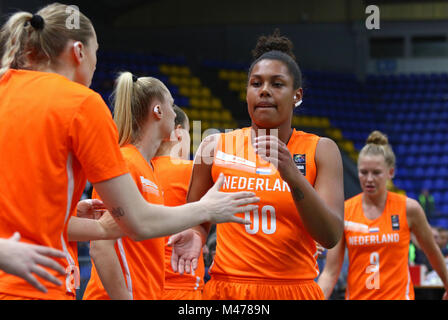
(265, 105)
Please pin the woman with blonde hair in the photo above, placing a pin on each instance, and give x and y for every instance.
(377, 230)
(55, 133)
(123, 268)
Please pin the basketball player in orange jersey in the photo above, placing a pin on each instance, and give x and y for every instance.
(299, 182)
(173, 170)
(46, 68)
(123, 268)
(378, 226)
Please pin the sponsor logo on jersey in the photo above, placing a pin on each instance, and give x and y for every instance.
(395, 222)
(300, 161)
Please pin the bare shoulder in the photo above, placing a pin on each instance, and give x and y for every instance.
(327, 151)
(414, 211)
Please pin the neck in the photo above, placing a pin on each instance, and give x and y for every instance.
(284, 131)
(375, 200)
(164, 149)
(149, 143)
(63, 71)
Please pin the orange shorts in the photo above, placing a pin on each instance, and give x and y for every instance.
(263, 289)
(176, 294)
(4, 296)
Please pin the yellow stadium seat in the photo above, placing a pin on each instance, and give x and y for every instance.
(195, 103)
(195, 82)
(174, 80)
(223, 74)
(194, 114)
(205, 92)
(195, 92)
(184, 71)
(185, 91)
(216, 103)
(164, 69)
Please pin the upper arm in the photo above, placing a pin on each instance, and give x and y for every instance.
(329, 182)
(417, 222)
(201, 177)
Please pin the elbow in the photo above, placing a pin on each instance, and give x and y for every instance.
(335, 235)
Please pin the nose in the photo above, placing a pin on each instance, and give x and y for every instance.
(264, 90)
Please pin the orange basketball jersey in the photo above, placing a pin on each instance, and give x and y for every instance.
(174, 177)
(378, 251)
(276, 245)
(54, 135)
(142, 262)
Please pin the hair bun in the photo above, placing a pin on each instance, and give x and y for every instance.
(37, 22)
(378, 138)
(273, 42)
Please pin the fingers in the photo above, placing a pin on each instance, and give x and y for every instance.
(47, 251)
(242, 202)
(33, 281)
(239, 220)
(174, 261)
(50, 263)
(181, 266)
(244, 209)
(241, 195)
(46, 275)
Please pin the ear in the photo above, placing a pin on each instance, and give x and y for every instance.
(78, 51)
(157, 111)
(391, 173)
(298, 95)
(178, 133)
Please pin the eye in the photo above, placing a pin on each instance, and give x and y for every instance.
(255, 83)
(278, 84)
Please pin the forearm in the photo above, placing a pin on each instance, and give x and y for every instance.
(141, 220)
(109, 269)
(437, 261)
(82, 229)
(327, 281)
(324, 224)
(166, 221)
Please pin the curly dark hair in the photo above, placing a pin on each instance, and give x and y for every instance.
(274, 42)
(277, 47)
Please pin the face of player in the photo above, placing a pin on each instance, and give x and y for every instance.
(373, 173)
(87, 65)
(168, 117)
(270, 94)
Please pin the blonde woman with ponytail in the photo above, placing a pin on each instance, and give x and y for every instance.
(55, 133)
(378, 225)
(144, 116)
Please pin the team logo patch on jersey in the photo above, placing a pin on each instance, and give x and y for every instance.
(300, 161)
(395, 222)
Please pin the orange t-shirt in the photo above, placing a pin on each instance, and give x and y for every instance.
(174, 177)
(378, 251)
(54, 135)
(142, 262)
(276, 246)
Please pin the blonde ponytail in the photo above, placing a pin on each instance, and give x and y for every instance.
(25, 47)
(122, 107)
(132, 98)
(12, 40)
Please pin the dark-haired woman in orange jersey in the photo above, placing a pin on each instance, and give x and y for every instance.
(298, 177)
